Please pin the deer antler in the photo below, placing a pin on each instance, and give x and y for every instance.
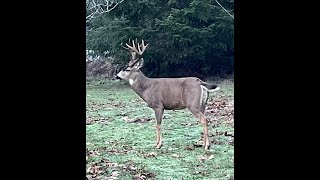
(136, 51)
(141, 47)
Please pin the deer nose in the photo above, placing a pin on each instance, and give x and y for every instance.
(116, 77)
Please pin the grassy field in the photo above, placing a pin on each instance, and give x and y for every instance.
(121, 137)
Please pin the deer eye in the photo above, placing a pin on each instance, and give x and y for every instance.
(127, 70)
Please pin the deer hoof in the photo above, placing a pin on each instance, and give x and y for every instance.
(158, 146)
(207, 147)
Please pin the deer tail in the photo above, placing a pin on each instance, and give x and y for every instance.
(210, 87)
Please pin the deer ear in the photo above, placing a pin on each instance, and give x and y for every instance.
(139, 64)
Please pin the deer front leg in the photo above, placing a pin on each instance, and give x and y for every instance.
(158, 113)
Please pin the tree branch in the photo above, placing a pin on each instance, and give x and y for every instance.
(96, 9)
(225, 9)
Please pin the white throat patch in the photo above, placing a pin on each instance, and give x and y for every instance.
(131, 81)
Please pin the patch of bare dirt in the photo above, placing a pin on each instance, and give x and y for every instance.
(216, 140)
(136, 120)
(117, 151)
(113, 104)
(149, 155)
(106, 169)
(190, 147)
(101, 120)
(144, 176)
(94, 107)
(220, 109)
(189, 123)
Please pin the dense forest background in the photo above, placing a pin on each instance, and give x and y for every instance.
(186, 37)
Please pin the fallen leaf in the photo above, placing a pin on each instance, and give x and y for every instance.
(190, 147)
(140, 177)
(210, 157)
(89, 121)
(152, 154)
(142, 120)
(176, 155)
(202, 158)
(115, 173)
(226, 134)
(186, 124)
(126, 118)
(144, 176)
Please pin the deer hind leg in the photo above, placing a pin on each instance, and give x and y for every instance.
(199, 115)
(159, 114)
(203, 119)
(206, 142)
(204, 98)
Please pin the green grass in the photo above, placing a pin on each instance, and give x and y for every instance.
(122, 149)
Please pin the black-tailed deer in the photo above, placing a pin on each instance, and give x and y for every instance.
(167, 93)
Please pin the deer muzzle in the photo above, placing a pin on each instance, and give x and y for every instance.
(117, 77)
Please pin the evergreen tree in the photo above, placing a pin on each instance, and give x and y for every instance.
(186, 37)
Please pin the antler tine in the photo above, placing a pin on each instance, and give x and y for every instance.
(133, 47)
(139, 48)
(124, 47)
(129, 46)
(143, 47)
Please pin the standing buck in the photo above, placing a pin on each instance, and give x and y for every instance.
(167, 93)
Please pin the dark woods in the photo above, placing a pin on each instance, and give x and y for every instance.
(186, 37)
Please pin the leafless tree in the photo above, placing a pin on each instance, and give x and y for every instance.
(96, 8)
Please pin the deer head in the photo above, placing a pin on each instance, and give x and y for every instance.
(136, 62)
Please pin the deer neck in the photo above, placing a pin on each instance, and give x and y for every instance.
(139, 84)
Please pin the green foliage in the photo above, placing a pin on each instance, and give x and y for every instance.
(186, 37)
